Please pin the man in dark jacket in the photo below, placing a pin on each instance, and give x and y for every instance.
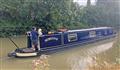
(34, 38)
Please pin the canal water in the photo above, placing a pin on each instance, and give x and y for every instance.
(101, 55)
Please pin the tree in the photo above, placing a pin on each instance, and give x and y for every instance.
(110, 11)
(88, 2)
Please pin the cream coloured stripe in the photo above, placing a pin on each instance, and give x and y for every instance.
(26, 54)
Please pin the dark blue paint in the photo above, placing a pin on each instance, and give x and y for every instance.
(82, 36)
(50, 43)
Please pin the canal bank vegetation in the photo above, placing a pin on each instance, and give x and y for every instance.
(18, 16)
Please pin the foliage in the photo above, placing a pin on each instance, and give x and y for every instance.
(50, 15)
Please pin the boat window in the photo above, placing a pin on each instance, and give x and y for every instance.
(72, 37)
(99, 33)
(105, 32)
(92, 34)
(110, 31)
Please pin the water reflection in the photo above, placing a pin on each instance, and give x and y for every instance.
(78, 62)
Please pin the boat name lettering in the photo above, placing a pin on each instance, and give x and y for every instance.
(51, 38)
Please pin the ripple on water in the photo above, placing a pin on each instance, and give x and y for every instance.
(78, 62)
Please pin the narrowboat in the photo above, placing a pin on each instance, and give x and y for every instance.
(69, 38)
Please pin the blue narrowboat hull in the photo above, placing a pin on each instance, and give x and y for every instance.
(72, 45)
(70, 39)
(62, 40)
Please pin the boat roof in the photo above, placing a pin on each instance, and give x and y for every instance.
(88, 29)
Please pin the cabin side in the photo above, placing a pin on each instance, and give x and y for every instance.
(74, 37)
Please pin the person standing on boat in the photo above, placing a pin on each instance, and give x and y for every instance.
(34, 38)
(40, 34)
